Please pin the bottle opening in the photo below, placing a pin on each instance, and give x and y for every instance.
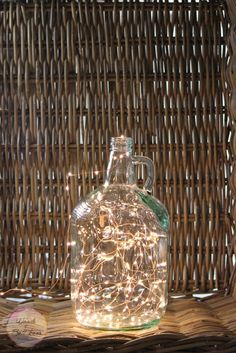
(122, 143)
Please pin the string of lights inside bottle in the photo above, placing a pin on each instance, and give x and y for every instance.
(119, 250)
(131, 297)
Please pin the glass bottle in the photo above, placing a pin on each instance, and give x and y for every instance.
(120, 248)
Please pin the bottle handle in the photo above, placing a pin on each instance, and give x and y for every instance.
(150, 170)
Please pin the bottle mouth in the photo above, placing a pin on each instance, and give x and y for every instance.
(122, 143)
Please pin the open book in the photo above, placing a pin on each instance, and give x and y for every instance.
(58, 317)
(187, 317)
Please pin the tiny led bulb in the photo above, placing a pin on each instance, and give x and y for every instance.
(102, 220)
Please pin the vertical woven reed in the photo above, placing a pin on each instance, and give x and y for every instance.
(231, 71)
(74, 74)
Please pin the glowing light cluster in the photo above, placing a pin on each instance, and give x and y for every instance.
(119, 262)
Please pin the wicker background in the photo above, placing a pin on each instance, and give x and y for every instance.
(74, 74)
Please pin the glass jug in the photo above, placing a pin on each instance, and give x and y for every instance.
(120, 248)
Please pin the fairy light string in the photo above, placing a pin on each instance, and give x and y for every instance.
(132, 297)
(118, 277)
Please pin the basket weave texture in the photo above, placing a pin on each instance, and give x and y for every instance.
(75, 74)
(72, 75)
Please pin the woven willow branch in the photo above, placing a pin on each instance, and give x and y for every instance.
(73, 74)
(231, 75)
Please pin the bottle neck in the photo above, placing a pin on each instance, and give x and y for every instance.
(120, 168)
